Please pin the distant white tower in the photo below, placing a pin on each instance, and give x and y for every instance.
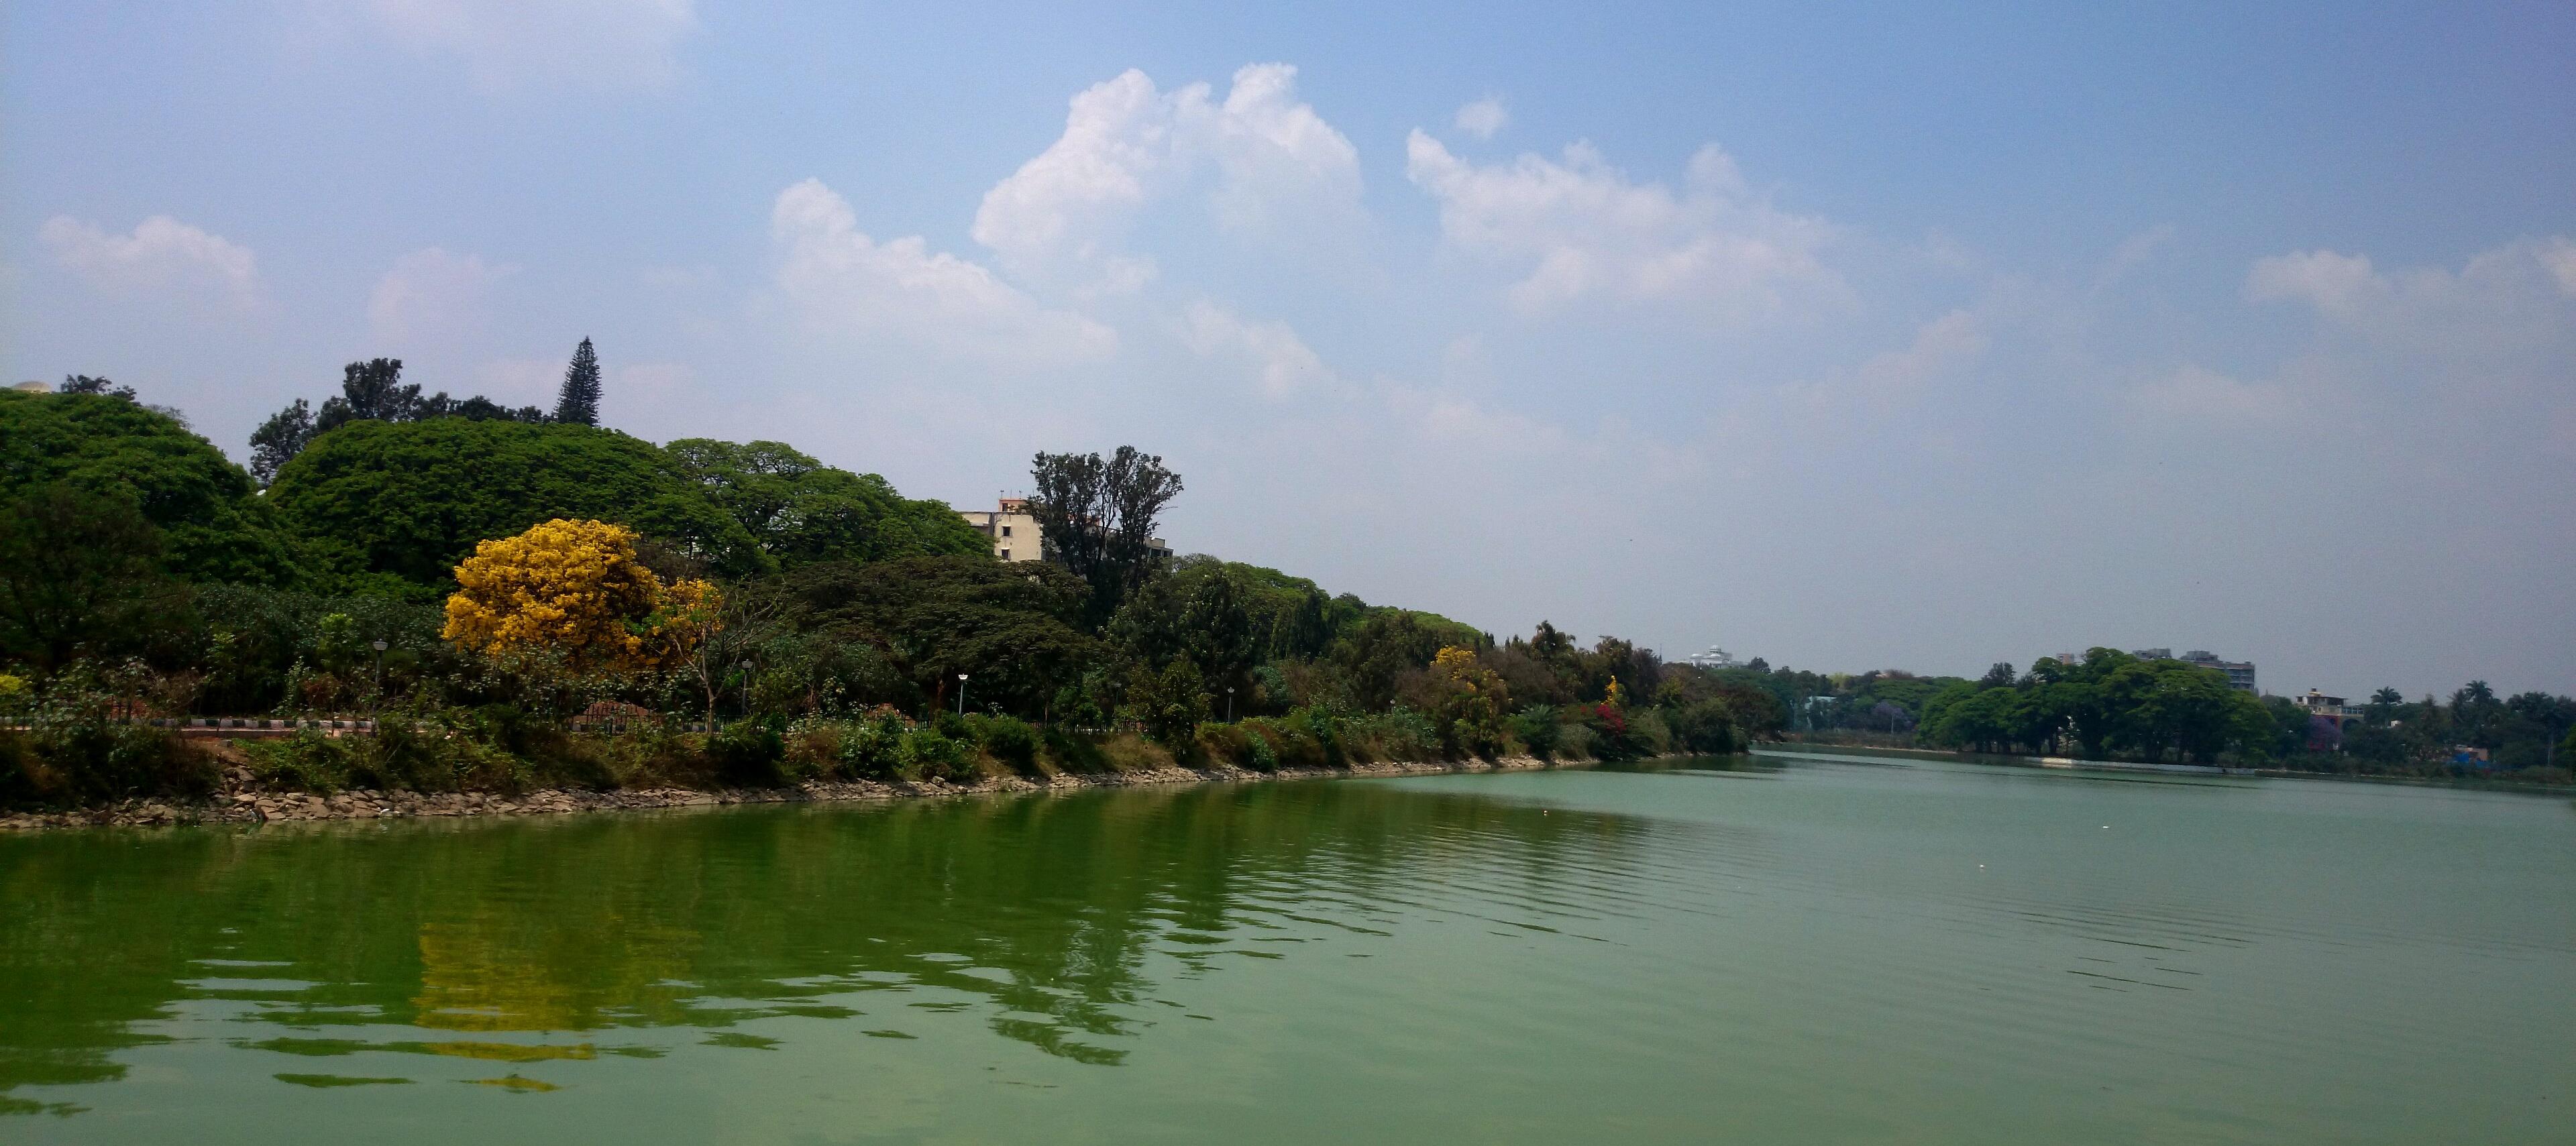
(1715, 658)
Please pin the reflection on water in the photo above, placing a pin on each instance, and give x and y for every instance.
(1033, 916)
(1746, 950)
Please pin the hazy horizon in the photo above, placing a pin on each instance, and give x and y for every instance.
(1851, 340)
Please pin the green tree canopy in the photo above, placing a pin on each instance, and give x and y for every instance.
(393, 507)
(1010, 626)
(214, 526)
(80, 573)
(799, 511)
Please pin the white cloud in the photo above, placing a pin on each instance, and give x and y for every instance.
(546, 43)
(1270, 164)
(846, 282)
(1484, 117)
(2559, 255)
(1583, 229)
(2505, 304)
(161, 254)
(2334, 283)
(1939, 345)
(2194, 394)
(1280, 363)
(430, 293)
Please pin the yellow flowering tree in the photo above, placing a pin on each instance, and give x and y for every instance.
(1471, 701)
(573, 588)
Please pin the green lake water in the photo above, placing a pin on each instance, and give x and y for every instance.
(1784, 951)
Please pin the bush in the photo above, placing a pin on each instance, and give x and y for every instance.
(78, 747)
(1400, 736)
(1072, 753)
(1310, 738)
(1706, 726)
(1127, 752)
(873, 749)
(1537, 729)
(1573, 742)
(747, 754)
(1263, 759)
(305, 762)
(1214, 743)
(929, 754)
(1009, 740)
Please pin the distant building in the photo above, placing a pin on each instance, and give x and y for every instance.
(1012, 527)
(1715, 658)
(2331, 708)
(33, 388)
(2240, 674)
(1015, 534)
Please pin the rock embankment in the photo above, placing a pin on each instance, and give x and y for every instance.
(240, 803)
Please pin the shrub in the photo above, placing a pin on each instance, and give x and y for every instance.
(1312, 739)
(1706, 726)
(1009, 740)
(1573, 742)
(748, 753)
(1263, 759)
(1400, 736)
(872, 749)
(1072, 753)
(1128, 752)
(1214, 743)
(929, 754)
(1537, 729)
(814, 748)
(78, 747)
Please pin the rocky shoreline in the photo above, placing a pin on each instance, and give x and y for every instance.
(242, 804)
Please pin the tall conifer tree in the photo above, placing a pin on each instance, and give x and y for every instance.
(579, 401)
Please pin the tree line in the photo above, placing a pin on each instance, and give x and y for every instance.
(760, 616)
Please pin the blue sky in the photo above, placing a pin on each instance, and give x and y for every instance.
(1849, 336)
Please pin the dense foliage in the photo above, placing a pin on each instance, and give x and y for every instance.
(211, 521)
(538, 601)
(798, 510)
(392, 507)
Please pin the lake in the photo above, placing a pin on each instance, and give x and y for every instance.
(1808, 950)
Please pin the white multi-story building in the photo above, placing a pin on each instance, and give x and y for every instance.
(1015, 534)
(1012, 527)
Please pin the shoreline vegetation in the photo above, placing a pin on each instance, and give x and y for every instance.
(247, 804)
(523, 601)
(518, 601)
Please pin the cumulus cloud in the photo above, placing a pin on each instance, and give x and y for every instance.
(2506, 303)
(843, 281)
(543, 43)
(2559, 255)
(1266, 161)
(1583, 229)
(2195, 394)
(431, 292)
(2337, 284)
(1484, 117)
(1939, 346)
(1280, 363)
(160, 255)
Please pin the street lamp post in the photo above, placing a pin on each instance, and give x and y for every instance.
(1229, 704)
(380, 675)
(961, 694)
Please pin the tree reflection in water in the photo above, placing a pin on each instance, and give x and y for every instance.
(1043, 913)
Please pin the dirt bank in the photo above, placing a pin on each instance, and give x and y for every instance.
(242, 804)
